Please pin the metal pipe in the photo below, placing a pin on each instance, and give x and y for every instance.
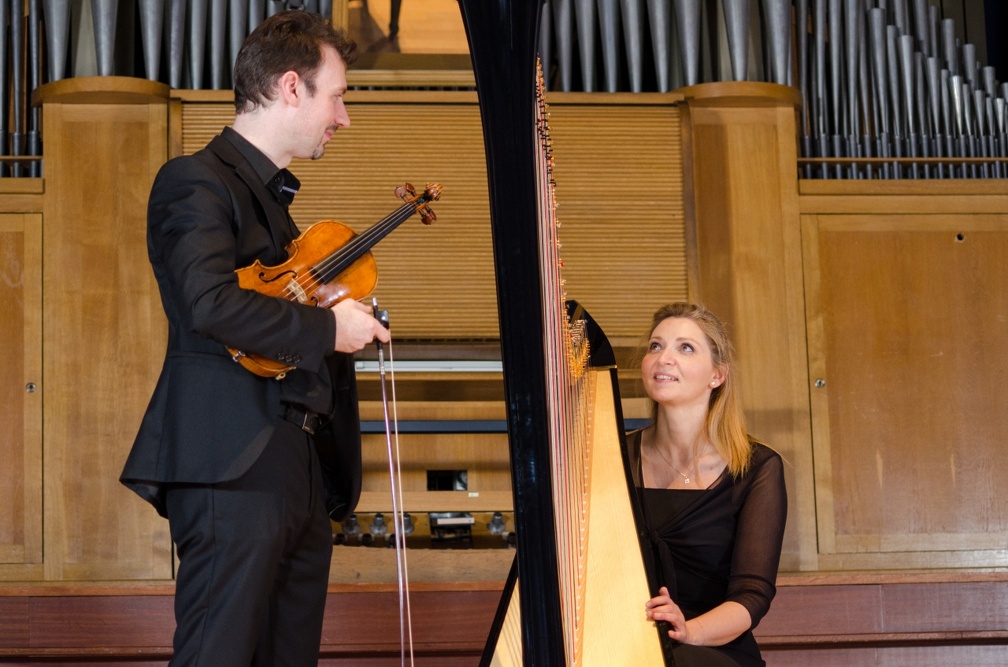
(980, 114)
(736, 15)
(151, 29)
(969, 136)
(218, 41)
(18, 96)
(922, 32)
(633, 29)
(563, 18)
(969, 62)
(586, 22)
(777, 15)
(906, 46)
(1002, 133)
(876, 31)
(176, 41)
(820, 98)
(257, 11)
(609, 25)
(103, 14)
(932, 68)
(934, 30)
(989, 78)
(237, 32)
(835, 26)
(948, 43)
(197, 39)
(869, 110)
(895, 87)
(660, 21)
(895, 96)
(687, 14)
(992, 151)
(4, 99)
(802, 40)
(57, 29)
(34, 81)
(948, 116)
(920, 104)
(545, 46)
(851, 11)
(900, 19)
(959, 116)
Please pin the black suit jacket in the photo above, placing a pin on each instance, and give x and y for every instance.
(208, 420)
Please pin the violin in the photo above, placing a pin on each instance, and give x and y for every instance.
(327, 263)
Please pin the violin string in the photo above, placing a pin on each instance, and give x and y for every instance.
(352, 249)
(359, 244)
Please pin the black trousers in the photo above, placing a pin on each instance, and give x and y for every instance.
(254, 560)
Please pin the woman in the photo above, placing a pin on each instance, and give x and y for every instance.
(713, 498)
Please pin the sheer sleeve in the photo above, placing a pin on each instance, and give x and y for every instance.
(759, 534)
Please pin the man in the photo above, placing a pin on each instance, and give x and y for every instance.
(230, 458)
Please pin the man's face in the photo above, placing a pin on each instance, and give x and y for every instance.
(324, 112)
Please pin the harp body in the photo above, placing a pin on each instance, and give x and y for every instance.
(577, 591)
(611, 629)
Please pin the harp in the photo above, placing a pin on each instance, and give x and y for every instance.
(577, 590)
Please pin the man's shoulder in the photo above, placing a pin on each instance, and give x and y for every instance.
(212, 162)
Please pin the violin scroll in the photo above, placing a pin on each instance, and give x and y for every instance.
(421, 202)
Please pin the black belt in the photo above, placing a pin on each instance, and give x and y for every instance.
(306, 420)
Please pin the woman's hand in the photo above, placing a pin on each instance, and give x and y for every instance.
(662, 608)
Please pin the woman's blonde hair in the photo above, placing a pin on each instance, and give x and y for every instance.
(725, 422)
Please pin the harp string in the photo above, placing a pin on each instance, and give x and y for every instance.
(566, 353)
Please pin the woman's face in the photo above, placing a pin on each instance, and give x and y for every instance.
(678, 369)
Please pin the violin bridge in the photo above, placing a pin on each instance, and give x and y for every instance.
(297, 291)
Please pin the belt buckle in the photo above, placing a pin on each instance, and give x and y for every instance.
(310, 430)
(306, 420)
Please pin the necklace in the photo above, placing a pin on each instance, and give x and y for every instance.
(686, 479)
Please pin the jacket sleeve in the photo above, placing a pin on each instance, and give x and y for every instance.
(759, 536)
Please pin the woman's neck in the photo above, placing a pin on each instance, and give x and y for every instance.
(681, 431)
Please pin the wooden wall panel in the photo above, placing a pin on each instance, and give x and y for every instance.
(104, 334)
(20, 392)
(908, 356)
(832, 620)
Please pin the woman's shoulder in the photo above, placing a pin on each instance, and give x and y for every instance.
(763, 454)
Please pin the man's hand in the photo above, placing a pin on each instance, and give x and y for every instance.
(356, 326)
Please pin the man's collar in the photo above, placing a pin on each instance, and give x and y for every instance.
(283, 184)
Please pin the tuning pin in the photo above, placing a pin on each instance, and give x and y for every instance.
(426, 215)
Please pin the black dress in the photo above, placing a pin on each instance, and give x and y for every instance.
(717, 544)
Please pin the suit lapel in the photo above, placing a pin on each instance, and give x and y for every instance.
(276, 218)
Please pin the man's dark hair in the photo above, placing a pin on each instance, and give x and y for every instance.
(290, 40)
